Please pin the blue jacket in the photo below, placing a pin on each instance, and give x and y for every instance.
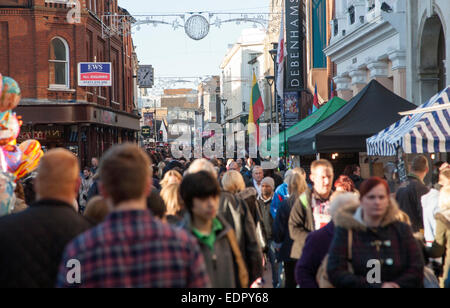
(281, 194)
(316, 248)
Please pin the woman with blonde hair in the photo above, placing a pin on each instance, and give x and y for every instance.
(233, 182)
(174, 203)
(171, 177)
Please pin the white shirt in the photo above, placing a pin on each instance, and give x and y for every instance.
(257, 187)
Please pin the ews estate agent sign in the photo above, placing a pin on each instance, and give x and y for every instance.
(94, 74)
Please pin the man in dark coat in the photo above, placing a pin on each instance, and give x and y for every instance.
(32, 242)
(410, 193)
(237, 213)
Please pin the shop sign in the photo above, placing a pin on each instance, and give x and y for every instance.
(49, 134)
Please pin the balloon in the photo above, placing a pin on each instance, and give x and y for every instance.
(13, 157)
(10, 96)
(3, 165)
(7, 196)
(32, 154)
(9, 127)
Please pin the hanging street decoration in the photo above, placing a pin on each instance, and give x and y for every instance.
(196, 25)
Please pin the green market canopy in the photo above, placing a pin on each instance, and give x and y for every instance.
(324, 112)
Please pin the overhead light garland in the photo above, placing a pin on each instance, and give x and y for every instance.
(196, 24)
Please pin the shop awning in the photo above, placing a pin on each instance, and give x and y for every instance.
(372, 109)
(324, 112)
(425, 132)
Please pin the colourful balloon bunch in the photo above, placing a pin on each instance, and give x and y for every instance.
(15, 161)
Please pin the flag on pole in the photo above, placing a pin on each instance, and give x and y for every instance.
(256, 109)
(316, 100)
(281, 54)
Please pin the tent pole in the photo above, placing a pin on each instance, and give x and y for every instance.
(370, 166)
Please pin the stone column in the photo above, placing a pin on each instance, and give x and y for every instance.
(398, 59)
(343, 86)
(379, 72)
(359, 80)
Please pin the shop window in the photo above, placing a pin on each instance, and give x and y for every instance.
(59, 64)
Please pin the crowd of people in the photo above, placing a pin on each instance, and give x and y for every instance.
(144, 219)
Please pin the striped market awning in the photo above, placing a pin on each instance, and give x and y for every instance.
(426, 132)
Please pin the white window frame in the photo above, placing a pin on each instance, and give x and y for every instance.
(67, 67)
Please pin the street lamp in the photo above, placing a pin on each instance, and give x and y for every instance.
(270, 80)
(273, 54)
(224, 103)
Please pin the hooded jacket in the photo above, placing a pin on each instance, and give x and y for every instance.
(441, 244)
(391, 245)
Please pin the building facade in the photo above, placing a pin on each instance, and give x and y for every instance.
(400, 43)
(319, 68)
(183, 114)
(209, 99)
(369, 42)
(241, 60)
(427, 48)
(41, 48)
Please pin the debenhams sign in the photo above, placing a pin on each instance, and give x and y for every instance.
(294, 42)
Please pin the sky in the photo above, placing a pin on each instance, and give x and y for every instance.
(171, 52)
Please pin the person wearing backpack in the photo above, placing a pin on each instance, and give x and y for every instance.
(385, 253)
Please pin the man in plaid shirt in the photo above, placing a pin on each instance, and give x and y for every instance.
(131, 248)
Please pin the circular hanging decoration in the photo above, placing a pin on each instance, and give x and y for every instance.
(197, 27)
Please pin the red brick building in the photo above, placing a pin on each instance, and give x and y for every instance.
(40, 48)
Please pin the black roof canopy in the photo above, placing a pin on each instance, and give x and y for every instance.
(371, 110)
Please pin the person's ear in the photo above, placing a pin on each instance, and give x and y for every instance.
(149, 188)
(77, 184)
